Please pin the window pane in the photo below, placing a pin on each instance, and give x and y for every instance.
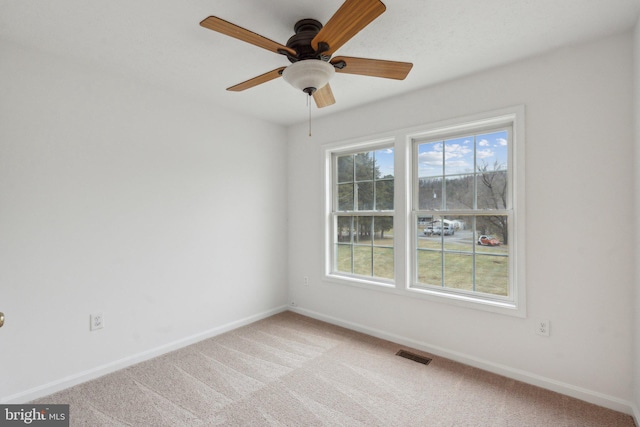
(345, 197)
(383, 262)
(384, 195)
(363, 233)
(430, 267)
(364, 166)
(493, 234)
(492, 151)
(458, 156)
(362, 260)
(492, 274)
(345, 168)
(384, 163)
(344, 229)
(430, 193)
(492, 190)
(430, 159)
(426, 237)
(383, 228)
(457, 234)
(460, 192)
(458, 271)
(365, 196)
(344, 261)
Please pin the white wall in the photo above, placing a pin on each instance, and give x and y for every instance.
(166, 215)
(579, 162)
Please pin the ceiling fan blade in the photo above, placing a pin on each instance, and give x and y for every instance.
(372, 67)
(263, 78)
(324, 96)
(352, 17)
(221, 26)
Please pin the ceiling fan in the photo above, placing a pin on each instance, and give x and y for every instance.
(310, 49)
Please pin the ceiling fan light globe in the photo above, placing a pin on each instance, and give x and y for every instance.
(308, 75)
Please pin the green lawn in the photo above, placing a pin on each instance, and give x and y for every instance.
(491, 263)
(376, 260)
(492, 272)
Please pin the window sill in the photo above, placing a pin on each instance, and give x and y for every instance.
(360, 281)
(467, 301)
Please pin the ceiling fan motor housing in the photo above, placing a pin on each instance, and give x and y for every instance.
(305, 31)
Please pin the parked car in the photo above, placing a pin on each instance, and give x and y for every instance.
(449, 230)
(488, 241)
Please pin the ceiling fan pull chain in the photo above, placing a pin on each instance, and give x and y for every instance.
(309, 105)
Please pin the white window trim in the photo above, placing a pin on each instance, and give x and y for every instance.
(406, 234)
(348, 148)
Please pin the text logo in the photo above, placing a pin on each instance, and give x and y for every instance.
(34, 415)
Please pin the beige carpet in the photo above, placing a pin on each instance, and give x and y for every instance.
(289, 370)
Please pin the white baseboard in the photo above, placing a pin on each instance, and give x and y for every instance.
(586, 395)
(84, 376)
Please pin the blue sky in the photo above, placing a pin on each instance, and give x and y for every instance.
(459, 154)
(384, 160)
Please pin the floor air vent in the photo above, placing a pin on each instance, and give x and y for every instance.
(414, 357)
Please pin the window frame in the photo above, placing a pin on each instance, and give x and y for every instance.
(405, 219)
(473, 213)
(331, 202)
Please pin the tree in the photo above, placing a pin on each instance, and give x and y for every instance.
(361, 187)
(492, 194)
(459, 193)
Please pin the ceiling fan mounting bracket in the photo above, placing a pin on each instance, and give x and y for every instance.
(339, 64)
(308, 24)
(322, 48)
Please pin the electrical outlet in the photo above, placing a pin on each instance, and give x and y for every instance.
(542, 327)
(96, 321)
(306, 280)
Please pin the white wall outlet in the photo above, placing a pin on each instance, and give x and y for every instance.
(96, 321)
(306, 280)
(542, 327)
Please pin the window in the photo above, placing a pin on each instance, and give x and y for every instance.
(433, 212)
(462, 209)
(362, 213)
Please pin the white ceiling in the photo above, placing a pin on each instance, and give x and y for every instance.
(161, 42)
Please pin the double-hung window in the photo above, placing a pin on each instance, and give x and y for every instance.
(362, 213)
(462, 212)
